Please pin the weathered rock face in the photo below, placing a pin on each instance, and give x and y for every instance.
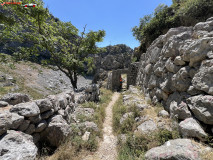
(174, 150)
(18, 146)
(57, 130)
(147, 127)
(191, 128)
(15, 98)
(203, 79)
(115, 57)
(202, 107)
(28, 109)
(177, 71)
(5, 122)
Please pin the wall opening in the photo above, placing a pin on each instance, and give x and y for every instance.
(124, 82)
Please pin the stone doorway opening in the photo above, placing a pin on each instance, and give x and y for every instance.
(124, 82)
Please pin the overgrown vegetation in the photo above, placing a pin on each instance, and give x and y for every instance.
(35, 34)
(180, 13)
(74, 146)
(99, 108)
(136, 144)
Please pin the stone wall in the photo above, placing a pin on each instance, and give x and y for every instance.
(37, 117)
(177, 71)
(114, 78)
(25, 122)
(132, 74)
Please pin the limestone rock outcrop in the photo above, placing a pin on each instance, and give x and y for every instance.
(177, 71)
(175, 149)
(18, 146)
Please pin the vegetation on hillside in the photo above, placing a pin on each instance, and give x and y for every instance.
(135, 145)
(33, 33)
(180, 13)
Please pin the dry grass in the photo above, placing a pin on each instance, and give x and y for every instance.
(205, 154)
(74, 148)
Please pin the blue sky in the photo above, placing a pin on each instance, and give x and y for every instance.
(116, 17)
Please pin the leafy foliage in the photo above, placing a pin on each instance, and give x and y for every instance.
(37, 34)
(180, 13)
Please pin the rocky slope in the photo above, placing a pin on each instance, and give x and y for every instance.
(177, 71)
(34, 79)
(114, 57)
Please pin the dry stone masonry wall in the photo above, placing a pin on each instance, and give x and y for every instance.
(177, 71)
(25, 122)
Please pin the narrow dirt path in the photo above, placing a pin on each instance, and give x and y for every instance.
(107, 149)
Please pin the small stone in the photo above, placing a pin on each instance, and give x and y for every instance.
(86, 135)
(30, 129)
(25, 124)
(178, 61)
(47, 114)
(35, 119)
(163, 113)
(15, 98)
(41, 126)
(5, 122)
(3, 104)
(16, 120)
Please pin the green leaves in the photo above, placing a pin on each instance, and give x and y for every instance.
(40, 35)
(180, 13)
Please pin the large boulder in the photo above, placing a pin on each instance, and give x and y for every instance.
(181, 80)
(44, 105)
(190, 128)
(15, 98)
(198, 50)
(203, 79)
(17, 146)
(180, 110)
(16, 120)
(28, 109)
(57, 130)
(5, 122)
(178, 149)
(202, 107)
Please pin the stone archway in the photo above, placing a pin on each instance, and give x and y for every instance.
(113, 82)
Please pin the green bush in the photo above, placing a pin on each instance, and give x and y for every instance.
(136, 146)
(180, 13)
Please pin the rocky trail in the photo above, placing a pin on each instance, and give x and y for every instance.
(107, 148)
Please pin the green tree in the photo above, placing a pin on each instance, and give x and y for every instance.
(37, 31)
(69, 52)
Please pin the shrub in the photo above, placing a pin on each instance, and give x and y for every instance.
(180, 13)
(136, 146)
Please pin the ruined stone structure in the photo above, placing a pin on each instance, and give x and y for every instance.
(132, 75)
(177, 71)
(114, 76)
(25, 122)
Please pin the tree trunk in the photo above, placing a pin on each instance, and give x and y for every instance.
(74, 81)
(74, 84)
